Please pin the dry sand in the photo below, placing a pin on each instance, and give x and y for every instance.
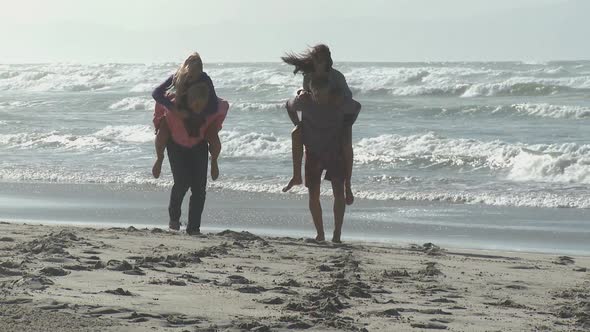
(58, 278)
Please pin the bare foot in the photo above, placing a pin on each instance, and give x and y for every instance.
(349, 197)
(320, 238)
(214, 169)
(336, 237)
(293, 182)
(157, 168)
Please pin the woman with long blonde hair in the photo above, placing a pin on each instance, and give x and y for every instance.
(187, 118)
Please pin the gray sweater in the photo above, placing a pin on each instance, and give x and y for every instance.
(337, 80)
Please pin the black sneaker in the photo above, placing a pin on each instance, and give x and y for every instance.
(174, 225)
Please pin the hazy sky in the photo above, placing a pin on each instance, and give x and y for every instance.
(262, 30)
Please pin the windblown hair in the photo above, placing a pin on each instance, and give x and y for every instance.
(304, 61)
(187, 73)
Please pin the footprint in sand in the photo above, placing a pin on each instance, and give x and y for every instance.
(77, 267)
(55, 306)
(272, 300)
(434, 312)
(115, 265)
(290, 283)
(429, 326)
(176, 282)
(34, 282)
(443, 300)
(252, 290)
(17, 301)
(54, 271)
(389, 313)
(103, 311)
(119, 291)
(91, 252)
(299, 326)
(135, 272)
(4, 272)
(564, 260)
(239, 280)
(10, 265)
(181, 320)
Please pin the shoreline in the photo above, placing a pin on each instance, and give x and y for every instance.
(309, 235)
(73, 278)
(450, 225)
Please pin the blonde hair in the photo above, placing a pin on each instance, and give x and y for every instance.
(191, 69)
(197, 92)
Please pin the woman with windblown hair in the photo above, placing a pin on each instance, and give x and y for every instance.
(317, 61)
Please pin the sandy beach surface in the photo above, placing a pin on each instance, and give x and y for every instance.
(68, 278)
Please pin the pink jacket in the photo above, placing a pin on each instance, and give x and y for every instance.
(176, 124)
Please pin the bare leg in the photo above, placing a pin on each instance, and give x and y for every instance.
(348, 161)
(214, 150)
(315, 208)
(297, 154)
(339, 208)
(162, 137)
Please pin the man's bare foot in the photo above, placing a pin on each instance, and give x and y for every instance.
(157, 168)
(214, 169)
(348, 196)
(320, 238)
(293, 182)
(336, 237)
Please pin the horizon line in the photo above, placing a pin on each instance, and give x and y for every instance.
(531, 61)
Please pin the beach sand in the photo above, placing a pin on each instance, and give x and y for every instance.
(68, 278)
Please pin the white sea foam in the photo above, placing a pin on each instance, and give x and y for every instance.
(258, 106)
(522, 198)
(134, 104)
(134, 134)
(105, 139)
(519, 199)
(467, 80)
(552, 111)
(254, 145)
(561, 163)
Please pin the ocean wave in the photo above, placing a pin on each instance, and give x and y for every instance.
(249, 107)
(79, 78)
(108, 139)
(524, 198)
(59, 175)
(143, 87)
(570, 165)
(561, 163)
(134, 104)
(131, 133)
(514, 88)
(253, 145)
(51, 140)
(542, 110)
(466, 80)
(550, 111)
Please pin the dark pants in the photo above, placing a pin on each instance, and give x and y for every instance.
(189, 169)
